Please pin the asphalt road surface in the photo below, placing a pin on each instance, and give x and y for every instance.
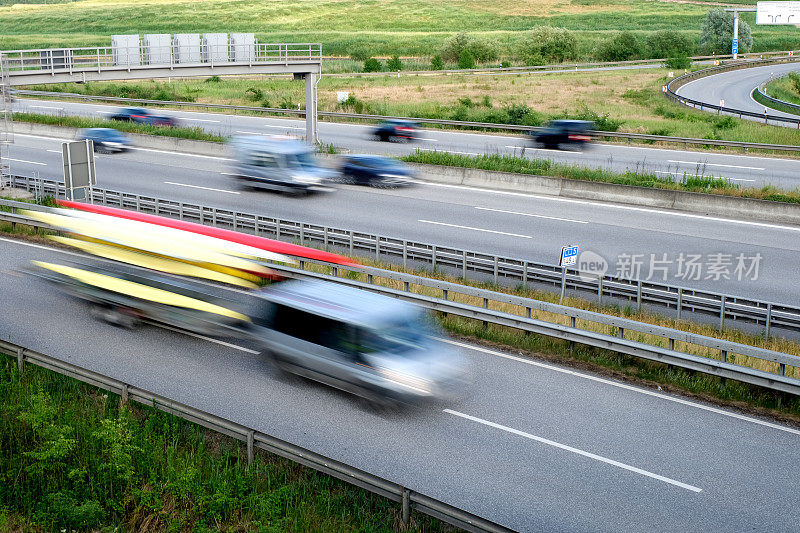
(743, 170)
(533, 446)
(513, 225)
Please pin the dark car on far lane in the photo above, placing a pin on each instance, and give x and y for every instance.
(106, 140)
(142, 116)
(396, 130)
(376, 171)
(564, 134)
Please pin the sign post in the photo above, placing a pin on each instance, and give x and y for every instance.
(569, 257)
(79, 172)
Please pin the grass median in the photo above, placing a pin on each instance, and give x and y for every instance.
(639, 177)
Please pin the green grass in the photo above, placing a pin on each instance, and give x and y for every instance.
(196, 134)
(382, 27)
(72, 458)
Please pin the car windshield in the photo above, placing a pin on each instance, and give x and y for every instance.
(401, 337)
(303, 160)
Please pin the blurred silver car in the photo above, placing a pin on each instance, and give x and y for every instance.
(374, 346)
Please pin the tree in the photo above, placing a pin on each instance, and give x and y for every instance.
(372, 65)
(547, 44)
(466, 60)
(394, 64)
(437, 63)
(622, 47)
(716, 33)
(480, 49)
(668, 43)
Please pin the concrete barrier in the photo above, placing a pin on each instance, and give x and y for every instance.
(706, 204)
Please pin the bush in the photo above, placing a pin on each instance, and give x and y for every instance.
(505, 64)
(622, 47)
(546, 44)
(437, 63)
(254, 94)
(480, 49)
(394, 64)
(466, 60)
(716, 33)
(372, 65)
(794, 78)
(678, 62)
(668, 43)
(213, 79)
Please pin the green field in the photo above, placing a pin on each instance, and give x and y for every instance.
(381, 27)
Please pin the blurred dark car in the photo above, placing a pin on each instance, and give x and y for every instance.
(106, 140)
(394, 130)
(376, 171)
(142, 116)
(564, 134)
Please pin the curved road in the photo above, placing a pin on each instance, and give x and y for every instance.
(533, 446)
(736, 88)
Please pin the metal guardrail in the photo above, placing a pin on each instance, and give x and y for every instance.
(440, 122)
(70, 60)
(408, 499)
(761, 92)
(697, 104)
(681, 301)
(645, 340)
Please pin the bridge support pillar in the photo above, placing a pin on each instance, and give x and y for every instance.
(311, 80)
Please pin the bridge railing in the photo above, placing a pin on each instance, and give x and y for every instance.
(60, 60)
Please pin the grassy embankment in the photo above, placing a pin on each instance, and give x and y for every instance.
(626, 101)
(782, 89)
(624, 367)
(72, 458)
(404, 27)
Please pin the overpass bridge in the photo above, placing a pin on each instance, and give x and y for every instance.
(183, 55)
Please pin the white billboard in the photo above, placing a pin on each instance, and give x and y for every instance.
(778, 13)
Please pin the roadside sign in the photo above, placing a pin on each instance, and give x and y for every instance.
(735, 46)
(791, 53)
(569, 256)
(670, 74)
(721, 102)
(663, 88)
(777, 13)
(79, 172)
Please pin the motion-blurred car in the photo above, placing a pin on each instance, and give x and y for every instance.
(106, 140)
(564, 134)
(371, 345)
(376, 171)
(394, 130)
(142, 116)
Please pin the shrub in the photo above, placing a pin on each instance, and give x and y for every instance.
(466, 60)
(678, 62)
(480, 49)
(254, 94)
(794, 78)
(505, 64)
(394, 64)
(716, 33)
(213, 79)
(437, 63)
(621, 47)
(546, 44)
(372, 65)
(466, 101)
(668, 43)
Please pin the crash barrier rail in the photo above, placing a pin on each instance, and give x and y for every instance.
(760, 90)
(728, 309)
(408, 499)
(442, 122)
(61, 60)
(697, 104)
(643, 340)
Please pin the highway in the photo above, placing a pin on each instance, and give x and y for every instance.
(744, 170)
(508, 224)
(533, 446)
(736, 88)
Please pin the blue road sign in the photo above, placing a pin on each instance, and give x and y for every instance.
(569, 256)
(735, 46)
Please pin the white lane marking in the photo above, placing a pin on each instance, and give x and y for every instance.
(56, 151)
(203, 337)
(616, 206)
(44, 137)
(462, 153)
(199, 187)
(530, 215)
(29, 162)
(272, 126)
(576, 451)
(475, 229)
(198, 119)
(45, 107)
(136, 148)
(625, 386)
(429, 139)
(686, 174)
(703, 163)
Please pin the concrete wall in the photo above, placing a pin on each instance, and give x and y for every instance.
(705, 204)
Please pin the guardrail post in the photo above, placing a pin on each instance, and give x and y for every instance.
(351, 248)
(782, 369)
(495, 270)
(378, 250)
(406, 507)
(325, 237)
(525, 274)
(769, 320)
(464, 264)
(405, 286)
(485, 306)
(302, 264)
(302, 236)
(572, 324)
(563, 283)
(250, 438)
(20, 360)
(600, 290)
(124, 395)
(527, 315)
(638, 295)
(680, 302)
(445, 297)
(722, 313)
(369, 279)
